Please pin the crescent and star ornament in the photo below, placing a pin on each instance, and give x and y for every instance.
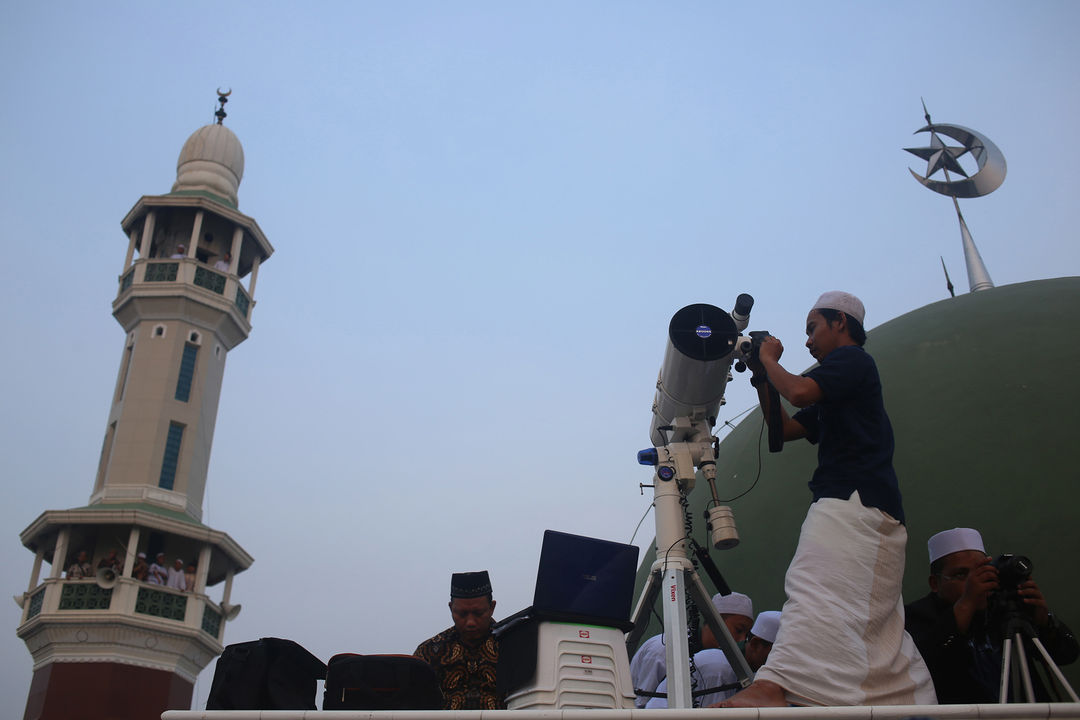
(939, 156)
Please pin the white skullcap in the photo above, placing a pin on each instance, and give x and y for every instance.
(844, 302)
(142, 555)
(766, 625)
(955, 540)
(733, 604)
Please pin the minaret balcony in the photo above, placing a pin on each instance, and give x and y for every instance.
(152, 287)
(127, 601)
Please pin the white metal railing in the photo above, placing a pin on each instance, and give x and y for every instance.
(1012, 711)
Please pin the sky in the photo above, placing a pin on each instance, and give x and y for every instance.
(484, 215)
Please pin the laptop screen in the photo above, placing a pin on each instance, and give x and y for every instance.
(584, 579)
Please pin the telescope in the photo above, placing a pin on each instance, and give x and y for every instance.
(703, 342)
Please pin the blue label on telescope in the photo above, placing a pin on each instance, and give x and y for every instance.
(703, 331)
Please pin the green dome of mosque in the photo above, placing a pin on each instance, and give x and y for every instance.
(980, 390)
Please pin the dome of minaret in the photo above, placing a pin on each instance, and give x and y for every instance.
(212, 160)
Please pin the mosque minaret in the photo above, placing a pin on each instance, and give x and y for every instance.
(112, 645)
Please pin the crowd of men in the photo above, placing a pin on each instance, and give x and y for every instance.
(954, 628)
(176, 576)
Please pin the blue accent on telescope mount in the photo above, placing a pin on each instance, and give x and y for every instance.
(648, 457)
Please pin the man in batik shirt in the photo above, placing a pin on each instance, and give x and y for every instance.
(464, 657)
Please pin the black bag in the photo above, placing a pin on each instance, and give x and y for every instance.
(266, 674)
(380, 682)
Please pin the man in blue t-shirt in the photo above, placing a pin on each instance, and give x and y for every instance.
(842, 641)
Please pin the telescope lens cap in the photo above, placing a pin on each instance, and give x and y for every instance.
(703, 332)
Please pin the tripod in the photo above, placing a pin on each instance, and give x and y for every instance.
(1017, 629)
(673, 572)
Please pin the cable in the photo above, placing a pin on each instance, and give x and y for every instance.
(757, 476)
(693, 619)
(727, 423)
(713, 503)
(647, 510)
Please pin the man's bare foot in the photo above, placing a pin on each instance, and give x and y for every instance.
(760, 693)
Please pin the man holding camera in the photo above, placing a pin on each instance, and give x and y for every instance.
(955, 631)
(842, 641)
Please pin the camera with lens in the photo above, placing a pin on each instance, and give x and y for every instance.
(1012, 570)
(1005, 606)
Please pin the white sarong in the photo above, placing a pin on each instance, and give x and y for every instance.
(842, 639)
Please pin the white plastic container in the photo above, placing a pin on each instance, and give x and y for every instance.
(577, 666)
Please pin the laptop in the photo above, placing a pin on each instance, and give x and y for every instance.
(585, 580)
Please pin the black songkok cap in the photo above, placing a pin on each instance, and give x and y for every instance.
(470, 585)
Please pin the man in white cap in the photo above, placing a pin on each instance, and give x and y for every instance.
(950, 625)
(159, 572)
(713, 671)
(842, 641)
(175, 576)
(649, 665)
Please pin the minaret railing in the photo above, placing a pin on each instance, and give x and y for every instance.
(128, 597)
(189, 272)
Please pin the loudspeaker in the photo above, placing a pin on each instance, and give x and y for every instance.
(105, 577)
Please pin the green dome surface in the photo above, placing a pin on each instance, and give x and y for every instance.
(981, 392)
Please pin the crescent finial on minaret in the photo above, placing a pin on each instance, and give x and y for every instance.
(223, 97)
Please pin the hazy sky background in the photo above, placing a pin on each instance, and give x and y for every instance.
(484, 216)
